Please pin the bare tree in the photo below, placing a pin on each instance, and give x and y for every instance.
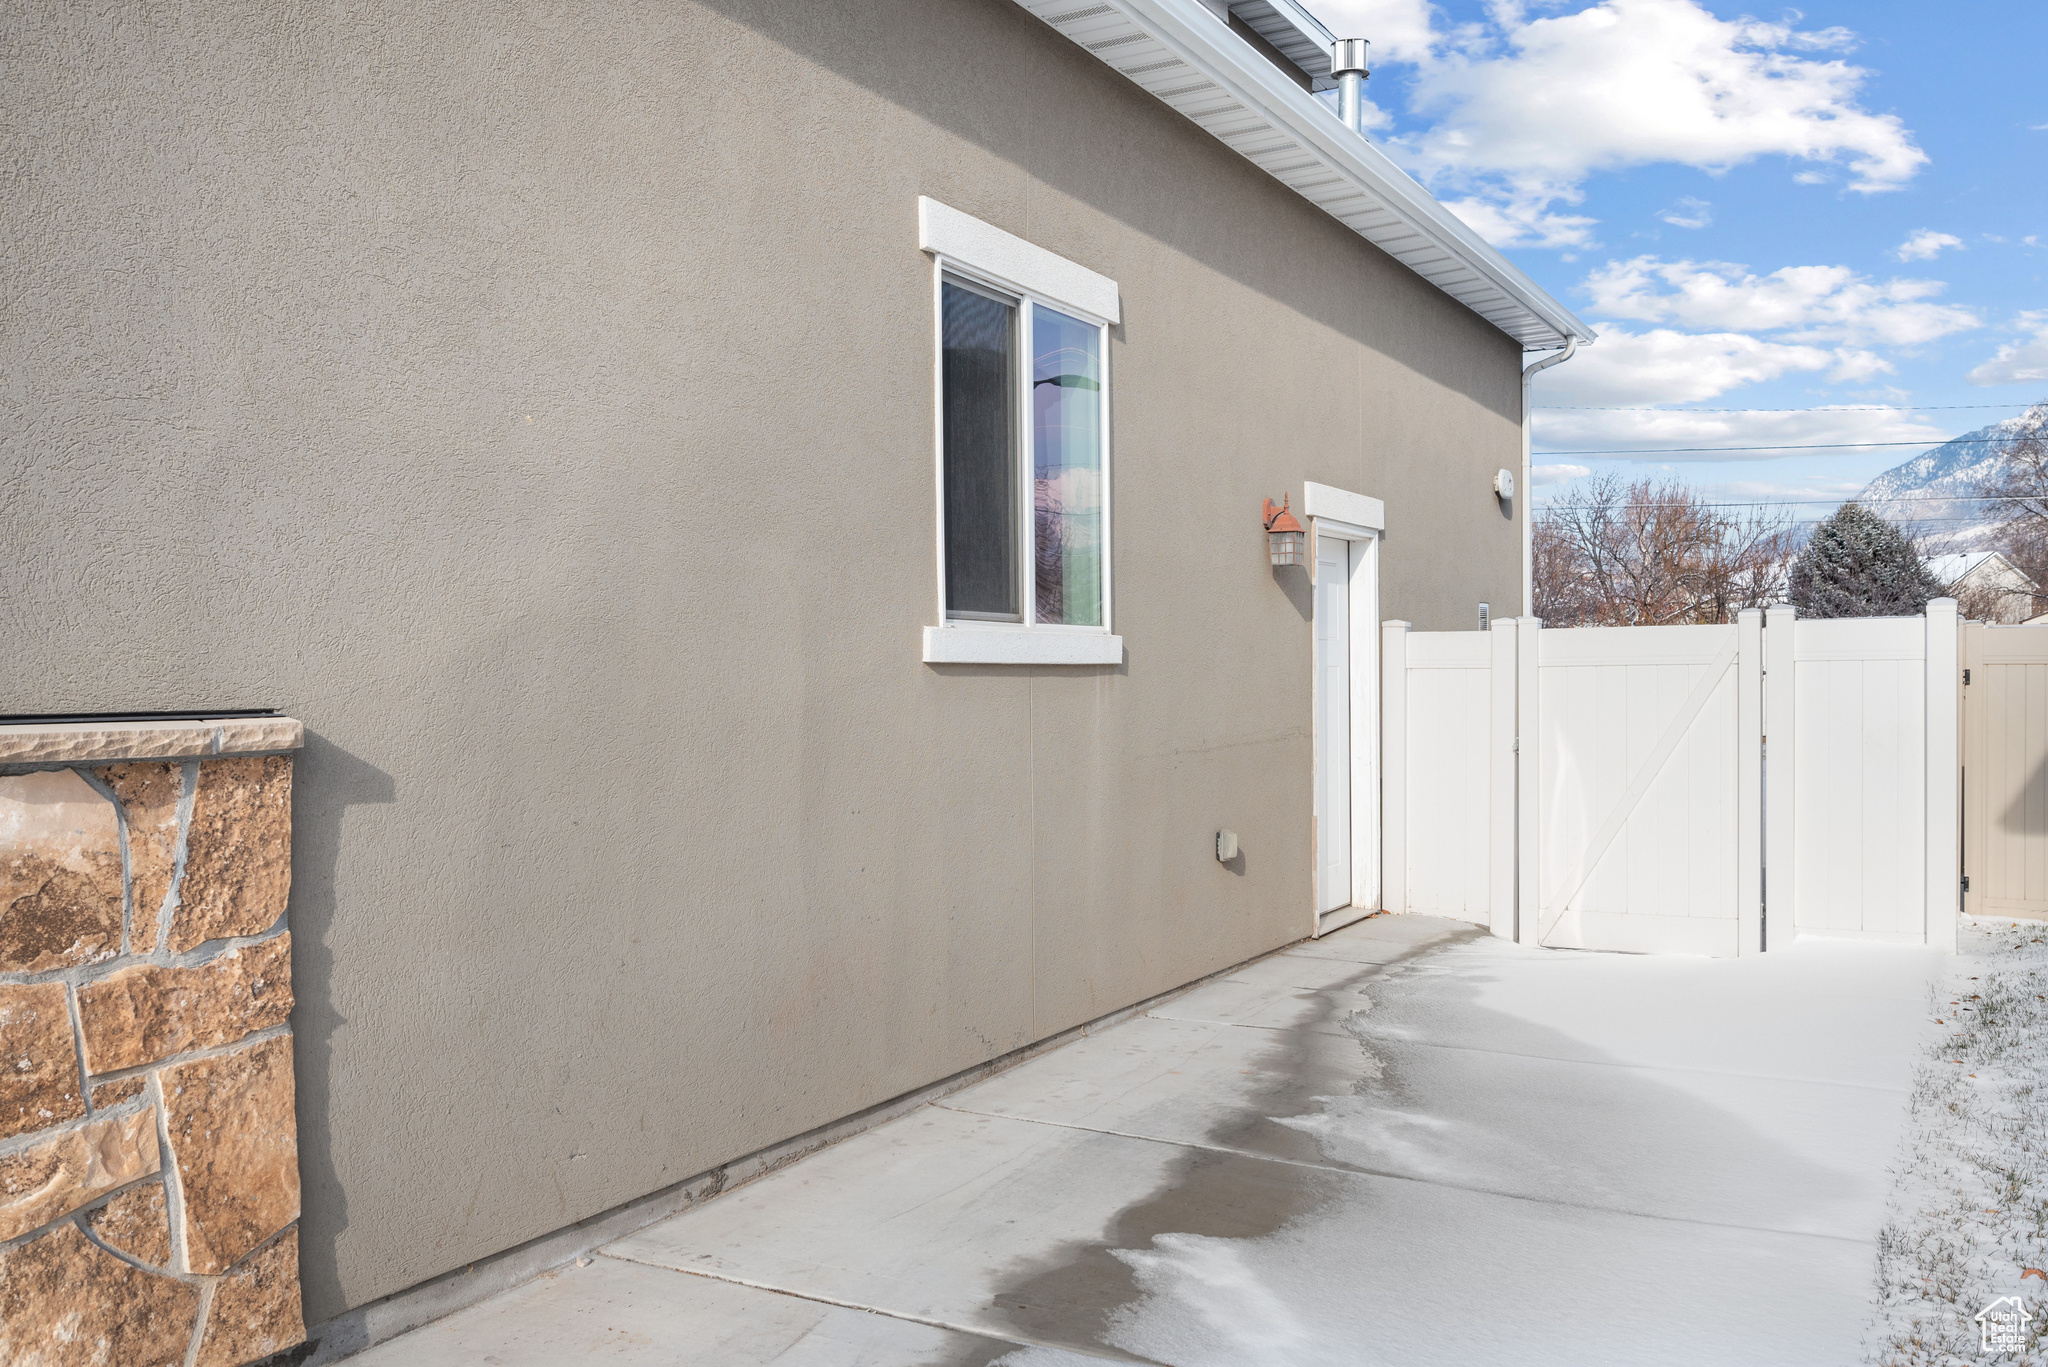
(1653, 553)
(2019, 496)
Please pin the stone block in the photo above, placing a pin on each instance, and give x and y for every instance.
(238, 850)
(65, 1302)
(78, 742)
(114, 1093)
(73, 1169)
(139, 1015)
(256, 1309)
(149, 798)
(235, 1144)
(38, 1063)
(136, 1222)
(60, 873)
(241, 735)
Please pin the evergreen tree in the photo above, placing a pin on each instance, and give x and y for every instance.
(1859, 565)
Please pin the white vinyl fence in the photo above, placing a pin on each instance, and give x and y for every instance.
(1692, 790)
(1448, 773)
(2005, 770)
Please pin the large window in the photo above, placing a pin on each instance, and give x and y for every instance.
(1041, 564)
(1024, 481)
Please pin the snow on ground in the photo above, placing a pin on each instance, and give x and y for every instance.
(1969, 1213)
(1601, 1159)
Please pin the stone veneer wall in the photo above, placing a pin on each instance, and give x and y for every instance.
(149, 1178)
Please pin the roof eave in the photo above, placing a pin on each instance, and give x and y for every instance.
(1423, 234)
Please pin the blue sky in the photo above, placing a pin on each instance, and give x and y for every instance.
(1816, 210)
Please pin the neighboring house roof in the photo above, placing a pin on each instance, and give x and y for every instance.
(1180, 52)
(1985, 566)
(1949, 569)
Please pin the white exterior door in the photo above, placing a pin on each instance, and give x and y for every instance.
(1333, 723)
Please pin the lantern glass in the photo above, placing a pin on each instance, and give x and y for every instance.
(1288, 548)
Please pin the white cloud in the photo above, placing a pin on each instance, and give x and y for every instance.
(1400, 30)
(1523, 110)
(1806, 303)
(1666, 366)
(1926, 244)
(1522, 223)
(1558, 474)
(1689, 213)
(2019, 362)
(1662, 434)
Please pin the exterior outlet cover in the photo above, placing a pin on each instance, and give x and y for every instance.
(1504, 483)
(1226, 846)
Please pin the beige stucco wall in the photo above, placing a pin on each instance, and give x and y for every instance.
(536, 401)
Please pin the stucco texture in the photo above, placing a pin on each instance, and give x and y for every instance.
(536, 400)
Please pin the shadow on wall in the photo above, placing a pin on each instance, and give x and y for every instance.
(1299, 588)
(967, 80)
(2028, 814)
(329, 781)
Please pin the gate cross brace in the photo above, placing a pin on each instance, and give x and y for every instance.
(1682, 722)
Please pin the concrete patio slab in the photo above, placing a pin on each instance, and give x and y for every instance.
(633, 1315)
(1283, 992)
(1384, 939)
(989, 1225)
(1414, 1144)
(1172, 1079)
(1840, 1012)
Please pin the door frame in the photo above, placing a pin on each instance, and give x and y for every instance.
(1363, 601)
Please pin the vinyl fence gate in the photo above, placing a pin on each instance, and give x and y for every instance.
(1707, 789)
(2005, 770)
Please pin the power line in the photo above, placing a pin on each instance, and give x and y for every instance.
(1797, 521)
(1816, 446)
(1878, 408)
(1846, 498)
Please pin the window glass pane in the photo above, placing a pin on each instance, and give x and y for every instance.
(1066, 432)
(977, 339)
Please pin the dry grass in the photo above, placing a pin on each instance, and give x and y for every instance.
(1969, 1208)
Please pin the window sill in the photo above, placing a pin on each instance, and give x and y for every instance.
(970, 645)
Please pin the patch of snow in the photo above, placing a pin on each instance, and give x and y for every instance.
(1968, 1215)
(1570, 1158)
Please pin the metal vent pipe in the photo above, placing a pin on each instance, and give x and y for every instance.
(1347, 65)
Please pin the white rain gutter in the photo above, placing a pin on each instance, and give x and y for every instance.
(1179, 52)
(1525, 495)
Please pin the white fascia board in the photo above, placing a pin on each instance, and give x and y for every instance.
(962, 644)
(1299, 35)
(1341, 505)
(1423, 234)
(1009, 259)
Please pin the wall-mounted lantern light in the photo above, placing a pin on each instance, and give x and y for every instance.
(1286, 542)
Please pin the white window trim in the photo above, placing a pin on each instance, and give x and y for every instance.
(1341, 505)
(964, 246)
(987, 250)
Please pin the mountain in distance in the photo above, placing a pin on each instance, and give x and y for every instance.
(1932, 492)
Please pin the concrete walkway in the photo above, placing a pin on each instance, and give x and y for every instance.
(1403, 1143)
